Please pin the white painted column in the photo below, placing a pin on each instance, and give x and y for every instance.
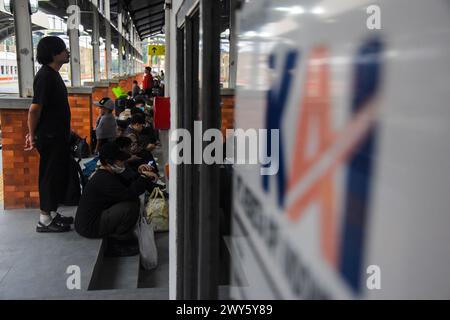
(73, 25)
(119, 27)
(24, 47)
(167, 8)
(96, 40)
(108, 40)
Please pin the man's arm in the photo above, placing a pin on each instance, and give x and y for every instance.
(34, 114)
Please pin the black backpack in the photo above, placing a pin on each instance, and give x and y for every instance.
(78, 146)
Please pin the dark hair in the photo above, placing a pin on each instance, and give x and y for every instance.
(110, 152)
(134, 81)
(137, 118)
(129, 93)
(139, 100)
(122, 124)
(48, 47)
(123, 142)
(131, 104)
(148, 68)
(136, 110)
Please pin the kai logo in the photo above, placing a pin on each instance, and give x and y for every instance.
(320, 151)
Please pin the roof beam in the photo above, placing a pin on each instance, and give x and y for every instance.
(151, 28)
(148, 16)
(145, 25)
(147, 7)
(151, 31)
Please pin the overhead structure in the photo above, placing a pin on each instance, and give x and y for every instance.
(147, 15)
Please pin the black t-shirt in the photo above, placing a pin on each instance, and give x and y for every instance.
(104, 190)
(51, 93)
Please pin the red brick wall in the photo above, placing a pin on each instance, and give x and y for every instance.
(20, 168)
(227, 113)
(139, 78)
(80, 108)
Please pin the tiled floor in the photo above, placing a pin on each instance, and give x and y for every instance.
(33, 265)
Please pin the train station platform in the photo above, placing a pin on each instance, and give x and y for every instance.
(34, 265)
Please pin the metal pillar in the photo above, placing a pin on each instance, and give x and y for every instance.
(95, 40)
(208, 253)
(133, 41)
(127, 54)
(119, 27)
(74, 41)
(233, 44)
(24, 47)
(108, 40)
(167, 8)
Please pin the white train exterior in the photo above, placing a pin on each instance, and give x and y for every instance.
(360, 206)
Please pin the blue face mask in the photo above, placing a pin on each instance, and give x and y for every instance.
(141, 107)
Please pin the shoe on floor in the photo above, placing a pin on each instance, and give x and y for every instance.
(54, 226)
(63, 219)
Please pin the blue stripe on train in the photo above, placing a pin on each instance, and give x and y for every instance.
(360, 168)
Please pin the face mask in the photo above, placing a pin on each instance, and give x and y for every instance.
(141, 107)
(117, 169)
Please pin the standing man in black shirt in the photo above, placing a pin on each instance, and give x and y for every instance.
(49, 131)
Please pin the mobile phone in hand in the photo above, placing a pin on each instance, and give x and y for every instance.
(151, 163)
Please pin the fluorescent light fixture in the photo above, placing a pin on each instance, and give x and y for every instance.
(250, 34)
(291, 10)
(297, 10)
(283, 9)
(317, 10)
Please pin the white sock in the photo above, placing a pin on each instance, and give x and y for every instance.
(45, 219)
(53, 214)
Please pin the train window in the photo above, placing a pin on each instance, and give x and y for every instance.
(11, 69)
(3, 69)
(15, 69)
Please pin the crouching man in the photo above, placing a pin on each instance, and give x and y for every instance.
(109, 206)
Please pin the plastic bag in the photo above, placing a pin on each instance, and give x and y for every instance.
(147, 245)
(157, 210)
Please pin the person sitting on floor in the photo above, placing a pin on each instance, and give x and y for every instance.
(129, 174)
(106, 129)
(139, 149)
(109, 207)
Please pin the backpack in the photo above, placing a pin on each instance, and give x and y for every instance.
(78, 146)
(83, 150)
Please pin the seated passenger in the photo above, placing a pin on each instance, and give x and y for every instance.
(129, 174)
(138, 149)
(106, 129)
(109, 207)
